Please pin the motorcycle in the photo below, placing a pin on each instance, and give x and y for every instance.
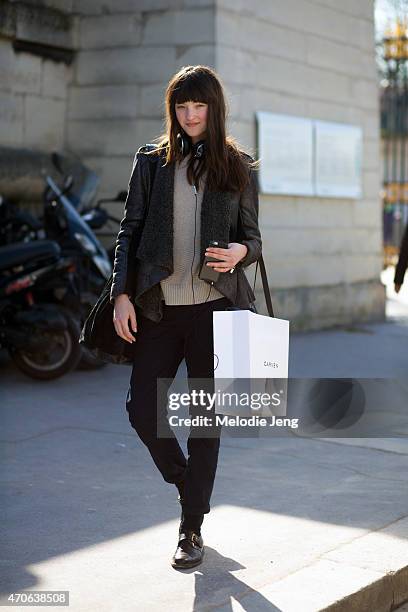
(97, 218)
(69, 219)
(41, 337)
(21, 226)
(63, 223)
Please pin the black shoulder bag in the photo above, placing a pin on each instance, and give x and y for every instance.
(98, 333)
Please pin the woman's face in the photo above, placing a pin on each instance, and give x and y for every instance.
(192, 116)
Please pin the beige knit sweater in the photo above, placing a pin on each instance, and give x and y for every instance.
(184, 286)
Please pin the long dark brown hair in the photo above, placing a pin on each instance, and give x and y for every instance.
(225, 161)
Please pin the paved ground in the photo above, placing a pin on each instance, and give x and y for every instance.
(296, 524)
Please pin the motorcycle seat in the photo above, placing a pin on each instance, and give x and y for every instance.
(15, 254)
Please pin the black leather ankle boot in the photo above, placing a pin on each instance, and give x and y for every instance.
(190, 550)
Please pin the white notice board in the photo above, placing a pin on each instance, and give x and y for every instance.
(338, 159)
(302, 156)
(285, 146)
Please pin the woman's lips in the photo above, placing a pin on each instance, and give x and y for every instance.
(192, 124)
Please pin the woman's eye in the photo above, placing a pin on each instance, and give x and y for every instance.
(197, 104)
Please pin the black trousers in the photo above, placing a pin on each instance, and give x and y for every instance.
(184, 332)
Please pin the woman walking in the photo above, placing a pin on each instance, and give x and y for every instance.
(402, 264)
(183, 193)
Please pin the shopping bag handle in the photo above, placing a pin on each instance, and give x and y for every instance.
(264, 276)
(265, 285)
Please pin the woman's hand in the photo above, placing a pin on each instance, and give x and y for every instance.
(123, 312)
(229, 257)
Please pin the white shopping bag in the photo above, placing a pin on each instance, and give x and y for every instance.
(251, 357)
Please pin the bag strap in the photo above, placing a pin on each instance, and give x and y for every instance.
(264, 277)
(265, 285)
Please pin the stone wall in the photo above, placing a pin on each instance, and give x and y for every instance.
(310, 58)
(127, 53)
(33, 86)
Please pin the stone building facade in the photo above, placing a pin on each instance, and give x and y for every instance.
(95, 86)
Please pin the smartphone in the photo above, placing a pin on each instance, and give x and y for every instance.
(207, 273)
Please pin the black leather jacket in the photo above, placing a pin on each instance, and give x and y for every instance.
(143, 255)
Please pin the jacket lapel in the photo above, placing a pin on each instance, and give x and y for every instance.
(156, 243)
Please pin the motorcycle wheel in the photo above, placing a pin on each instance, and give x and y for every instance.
(62, 355)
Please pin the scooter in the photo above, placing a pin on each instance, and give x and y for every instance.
(97, 218)
(64, 224)
(41, 337)
(73, 231)
(18, 225)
